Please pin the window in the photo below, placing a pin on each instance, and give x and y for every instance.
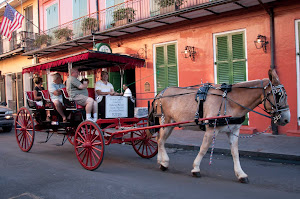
(52, 16)
(166, 66)
(110, 10)
(29, 19)
(231, 59)
(79, 10)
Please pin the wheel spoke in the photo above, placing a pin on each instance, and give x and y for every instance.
(95, 138)
(79, 141)
(81, 136)
(81, 151)
(95, 154)
(97, 149)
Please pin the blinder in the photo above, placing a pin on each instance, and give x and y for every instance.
(279, 101)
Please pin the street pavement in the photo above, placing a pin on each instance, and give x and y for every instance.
(278, 148)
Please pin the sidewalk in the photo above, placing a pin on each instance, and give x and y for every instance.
(279, 148)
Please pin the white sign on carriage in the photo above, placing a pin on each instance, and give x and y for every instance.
(116, 106)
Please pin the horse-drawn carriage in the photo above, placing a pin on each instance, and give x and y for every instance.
(172, 107)
(89, 138)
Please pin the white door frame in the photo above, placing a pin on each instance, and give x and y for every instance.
(297, 23)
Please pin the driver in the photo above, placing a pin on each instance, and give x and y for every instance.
(103, 87)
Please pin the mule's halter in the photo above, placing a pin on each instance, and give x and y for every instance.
(279, 100)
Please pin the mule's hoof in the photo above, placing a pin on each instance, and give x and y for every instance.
(163, 168)
(244, 180)
(196, 174)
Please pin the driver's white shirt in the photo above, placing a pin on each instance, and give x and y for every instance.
(100, 85)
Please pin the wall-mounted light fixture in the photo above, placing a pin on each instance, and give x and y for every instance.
(141, 53)
(261, 42)
(189, 52)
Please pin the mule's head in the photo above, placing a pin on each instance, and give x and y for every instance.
(275, 101)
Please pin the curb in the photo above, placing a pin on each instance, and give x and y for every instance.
(271, 157)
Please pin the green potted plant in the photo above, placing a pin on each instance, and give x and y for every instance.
(169, 5)
(123, 16)
(42, 41)
(63, 34)
(88, 25)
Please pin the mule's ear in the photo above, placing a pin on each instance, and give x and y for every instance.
(273, 77)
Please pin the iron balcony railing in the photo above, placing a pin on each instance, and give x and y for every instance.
(112, 17)
(22, 39)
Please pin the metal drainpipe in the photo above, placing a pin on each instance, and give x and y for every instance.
(272, 43)
(97, 6)
(270, 11)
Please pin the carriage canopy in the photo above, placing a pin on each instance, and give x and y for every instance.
(89, 60)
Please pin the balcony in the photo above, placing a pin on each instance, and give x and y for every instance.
(19, 43)
(128, 18)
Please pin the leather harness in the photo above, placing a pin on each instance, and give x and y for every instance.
(201, 97)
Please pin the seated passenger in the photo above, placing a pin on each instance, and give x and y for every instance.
(56, 94)
(37, 94)
(103, 87)
(79, 93)
(127, 91)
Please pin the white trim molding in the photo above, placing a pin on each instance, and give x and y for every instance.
(297, 39)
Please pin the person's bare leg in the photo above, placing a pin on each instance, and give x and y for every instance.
(89, 105)
(59, 109)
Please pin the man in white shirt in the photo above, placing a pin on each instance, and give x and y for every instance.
(127, 91)
(103, 87)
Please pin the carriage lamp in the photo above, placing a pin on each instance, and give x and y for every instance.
(261, 42)
(189, 52)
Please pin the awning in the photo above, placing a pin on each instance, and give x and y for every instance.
(89, 60)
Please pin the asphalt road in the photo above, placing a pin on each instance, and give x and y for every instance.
(50, 171)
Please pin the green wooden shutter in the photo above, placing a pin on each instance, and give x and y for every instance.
(172, 65)
(166, 66)
(160, 69)
(231, 60)
(223, 65)
(238, 58)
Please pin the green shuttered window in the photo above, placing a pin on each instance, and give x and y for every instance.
(231, 59)
(166, 66)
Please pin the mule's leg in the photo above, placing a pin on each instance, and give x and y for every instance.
(207, 139)
(233, 140)
(162, 156)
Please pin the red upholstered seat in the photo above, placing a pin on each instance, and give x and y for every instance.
(30, 101)
(68, 103)
(91, 92)
(47, 100)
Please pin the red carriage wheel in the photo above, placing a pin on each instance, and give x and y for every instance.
(24, 129)
(143, 146)
(89, 145)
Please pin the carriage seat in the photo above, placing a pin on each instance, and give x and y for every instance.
(47, 100)
(68, 102)
(30, 101)
(91, 92)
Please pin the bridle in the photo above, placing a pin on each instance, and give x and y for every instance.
(279, 104)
